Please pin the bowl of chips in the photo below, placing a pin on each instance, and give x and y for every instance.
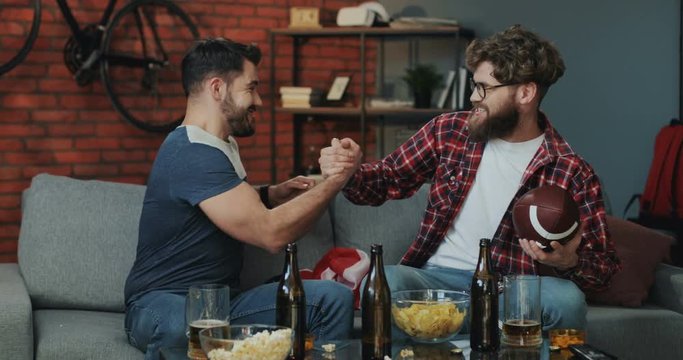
(264, 342)
(430, 315)
(563, 338)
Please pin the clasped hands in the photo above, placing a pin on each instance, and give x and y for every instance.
(340, 160)
(337, 163)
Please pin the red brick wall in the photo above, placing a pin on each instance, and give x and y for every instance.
(49, 124)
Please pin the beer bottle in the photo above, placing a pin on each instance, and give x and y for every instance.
(290, 306)
(376, 310)
(484, 332)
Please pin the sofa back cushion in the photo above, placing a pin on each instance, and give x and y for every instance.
(394, 224)
(640, 250)
(77, 241)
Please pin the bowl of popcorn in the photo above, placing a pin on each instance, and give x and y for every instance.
(429, 315)
(264, 342)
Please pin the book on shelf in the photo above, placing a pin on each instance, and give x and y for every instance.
(306, 90)
(311, 102)
(447, 90)
(411, 22)
(299, 96)
(464, 91)
(296, 105)
(460, 99)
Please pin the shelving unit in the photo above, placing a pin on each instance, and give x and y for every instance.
(361, 111)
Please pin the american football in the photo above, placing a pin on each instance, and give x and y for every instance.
(547, 213)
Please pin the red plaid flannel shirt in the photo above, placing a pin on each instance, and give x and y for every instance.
(442, 153)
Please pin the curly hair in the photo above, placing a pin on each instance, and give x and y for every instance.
(518, 56)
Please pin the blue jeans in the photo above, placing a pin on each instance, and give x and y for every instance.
(157, 319)
(563, 304)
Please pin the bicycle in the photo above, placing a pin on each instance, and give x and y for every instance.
(138, 51)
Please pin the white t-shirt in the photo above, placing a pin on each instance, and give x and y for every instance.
(498, 179)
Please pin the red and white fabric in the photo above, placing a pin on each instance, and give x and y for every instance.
(346, 266)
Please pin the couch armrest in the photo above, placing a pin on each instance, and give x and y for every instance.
(667, 290)
(16, 320)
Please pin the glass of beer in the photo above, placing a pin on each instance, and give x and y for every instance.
(522, 310)
(206, 306)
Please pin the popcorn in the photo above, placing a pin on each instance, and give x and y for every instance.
(407, 353)
(262, 346)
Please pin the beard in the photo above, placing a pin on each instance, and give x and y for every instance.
(484, 125)
(239, 119)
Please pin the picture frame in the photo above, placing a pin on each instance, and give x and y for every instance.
(338, 88)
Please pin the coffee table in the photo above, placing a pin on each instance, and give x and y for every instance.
(351, 350)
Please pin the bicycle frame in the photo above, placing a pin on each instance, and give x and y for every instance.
(75, 27)
(92, 45)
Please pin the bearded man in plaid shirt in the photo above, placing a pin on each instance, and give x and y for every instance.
(479, 163)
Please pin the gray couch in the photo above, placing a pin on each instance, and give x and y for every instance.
(64, 298)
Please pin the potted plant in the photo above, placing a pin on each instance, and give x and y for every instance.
(423, 80)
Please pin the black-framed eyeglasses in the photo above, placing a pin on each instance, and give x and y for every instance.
(481, 88)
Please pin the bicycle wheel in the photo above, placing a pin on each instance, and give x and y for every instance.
(17, 33)
(142, 51)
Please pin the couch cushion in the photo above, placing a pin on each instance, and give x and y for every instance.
(77, 241)
(648, 332)
(361, 226)
(260, 265)
(668, 288)
(16, 322)
(74, 334)
(640, 250)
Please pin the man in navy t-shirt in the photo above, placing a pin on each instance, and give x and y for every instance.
(199, 211)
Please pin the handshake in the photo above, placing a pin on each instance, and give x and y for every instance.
(340, 160)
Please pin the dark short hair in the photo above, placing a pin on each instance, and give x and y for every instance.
(518, 56)
(215, 57)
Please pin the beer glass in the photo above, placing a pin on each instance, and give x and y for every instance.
(206, 306)
(522, 310)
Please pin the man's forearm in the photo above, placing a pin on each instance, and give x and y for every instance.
(293, 219)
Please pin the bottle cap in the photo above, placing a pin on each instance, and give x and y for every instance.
(484, 242)
(376, 248)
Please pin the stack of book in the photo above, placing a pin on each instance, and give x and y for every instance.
(299, 96)
(456, 93)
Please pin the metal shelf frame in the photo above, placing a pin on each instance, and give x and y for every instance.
(299, 36)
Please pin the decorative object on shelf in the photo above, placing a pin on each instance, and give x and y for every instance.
(353, 113)
(423, 80)
(370, 13)
(338, 88)
(304, 17)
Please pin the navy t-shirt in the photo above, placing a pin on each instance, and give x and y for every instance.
(178, 245)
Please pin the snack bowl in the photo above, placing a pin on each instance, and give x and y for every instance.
(430, 315)
(253, 341)
(563, 338)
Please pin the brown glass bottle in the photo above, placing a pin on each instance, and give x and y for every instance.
(484, 332)
(376, 309)
(290, 307)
